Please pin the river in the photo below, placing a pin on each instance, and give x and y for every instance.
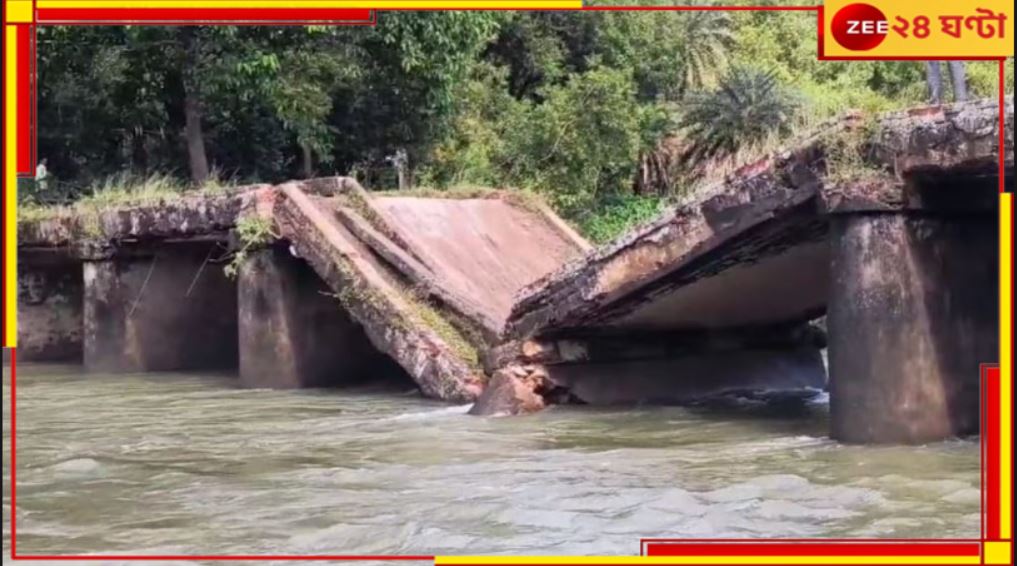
(165, 463)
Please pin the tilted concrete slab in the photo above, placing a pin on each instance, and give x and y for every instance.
(471, 254)
(391, 318)
(753, 249)
(483, 249)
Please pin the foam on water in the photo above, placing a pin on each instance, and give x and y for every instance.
(433, 414)
(77, 466)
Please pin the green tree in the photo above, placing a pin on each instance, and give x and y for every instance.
(410, 66)
(259, 100)
(667, 52)
(580, 144)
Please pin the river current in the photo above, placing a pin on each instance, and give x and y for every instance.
(191, 464)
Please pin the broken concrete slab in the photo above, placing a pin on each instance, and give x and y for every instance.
(526, 388)
(955, 137)
(762, 232)
(631, 346)
(471, 316)
(439, 360)
(467, 251)
(483, 249)
(569, 297)
(515, 390)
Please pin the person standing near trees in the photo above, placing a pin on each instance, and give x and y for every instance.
(41, 175)
(934, 78)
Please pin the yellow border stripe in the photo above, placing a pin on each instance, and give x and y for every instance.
(620, 560)
(996, 552)
(18, 11)
(450, 4)
(1005, 361)
(11, 189)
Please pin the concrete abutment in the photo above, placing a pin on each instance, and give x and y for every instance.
(164, 311)
(913, 311)
(50, 311)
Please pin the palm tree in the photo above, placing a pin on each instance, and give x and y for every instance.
(702, 40)
(748, 106)
(706, 36)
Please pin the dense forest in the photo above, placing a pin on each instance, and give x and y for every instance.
(605, 114)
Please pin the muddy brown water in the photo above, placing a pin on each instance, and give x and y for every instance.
(165, 463)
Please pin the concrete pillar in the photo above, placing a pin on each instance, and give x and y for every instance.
(169, 311)
(912, 313)
(293, 333)
(49, 310)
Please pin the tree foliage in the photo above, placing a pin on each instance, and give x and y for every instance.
(587, 108)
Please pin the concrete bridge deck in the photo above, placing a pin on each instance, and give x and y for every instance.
(496, 299)
(756, 249)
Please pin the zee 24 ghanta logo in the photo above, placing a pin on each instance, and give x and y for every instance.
(863, 27)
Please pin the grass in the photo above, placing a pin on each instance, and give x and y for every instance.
(848, 154)
(772, 145)
(456, 192)
(616, 217)
(252, 232)
(124, 190)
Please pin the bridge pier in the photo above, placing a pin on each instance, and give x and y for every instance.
(912, 313)
(164, 311)
(50, 310)
(293, 333)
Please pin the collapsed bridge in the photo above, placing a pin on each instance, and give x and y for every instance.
(339, 285)
(899, 251)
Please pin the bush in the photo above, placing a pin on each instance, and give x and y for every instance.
(580, 145)
(617, 214)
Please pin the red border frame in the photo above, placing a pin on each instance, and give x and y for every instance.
(209, 16)
(859, 547)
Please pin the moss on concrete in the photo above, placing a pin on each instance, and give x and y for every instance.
(433, 317)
